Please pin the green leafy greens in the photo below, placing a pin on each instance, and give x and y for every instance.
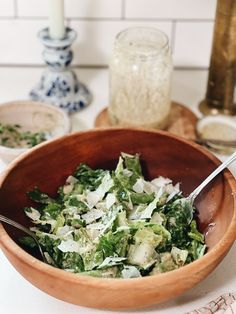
(115, 223)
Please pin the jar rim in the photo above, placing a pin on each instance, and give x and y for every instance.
(139, 40)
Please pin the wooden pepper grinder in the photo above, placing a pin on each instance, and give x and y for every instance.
(222, 73)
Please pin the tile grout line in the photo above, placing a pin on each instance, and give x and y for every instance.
(93, 67)
(15, 9)
(188, 20)
(123, 9)
(99, 19)
(173, 36)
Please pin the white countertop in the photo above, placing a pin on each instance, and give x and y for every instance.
(17, 296)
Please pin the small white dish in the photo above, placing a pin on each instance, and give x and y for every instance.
(35, 117)
(217, 127)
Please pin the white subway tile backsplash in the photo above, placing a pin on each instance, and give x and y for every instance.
(96, 38)
(188, 23)
(92, 47)
(171, 9)
(32, 8)
(73, 8)
(193, 43)
(94, 9)
(7, 8)
(20, 45)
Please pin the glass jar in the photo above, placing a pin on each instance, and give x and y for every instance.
(140, 76)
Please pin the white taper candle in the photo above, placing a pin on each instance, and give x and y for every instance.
(56, 19)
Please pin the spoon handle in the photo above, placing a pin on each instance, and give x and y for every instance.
(225, 164)
(24, 229)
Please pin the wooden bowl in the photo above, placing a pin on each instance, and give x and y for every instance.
(47, 166)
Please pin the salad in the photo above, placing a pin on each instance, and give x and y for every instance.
(115, 224)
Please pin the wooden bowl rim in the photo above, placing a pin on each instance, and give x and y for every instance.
(219, 250)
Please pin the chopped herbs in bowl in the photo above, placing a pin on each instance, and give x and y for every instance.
(115, 224)
(25, 124)
(12, 136)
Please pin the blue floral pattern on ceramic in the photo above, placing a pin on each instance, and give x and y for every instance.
(59, 84)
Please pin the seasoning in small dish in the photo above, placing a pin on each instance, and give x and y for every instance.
(218, 128)
(24, 124)
(13, 136)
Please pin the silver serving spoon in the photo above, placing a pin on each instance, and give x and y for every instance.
(188, 201)
(26, 230)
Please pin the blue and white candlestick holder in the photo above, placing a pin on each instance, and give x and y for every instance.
(59, 84)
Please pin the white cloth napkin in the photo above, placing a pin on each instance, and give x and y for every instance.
(226, 304)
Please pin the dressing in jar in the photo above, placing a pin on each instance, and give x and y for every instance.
(140, 78)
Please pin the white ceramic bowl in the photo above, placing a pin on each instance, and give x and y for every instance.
(217, 127)
(32, 116)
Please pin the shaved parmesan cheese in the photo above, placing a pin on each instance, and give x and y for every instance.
(156, 217)
(107, 183)
(110, 200)
(177, 186)
(170, 188)
(73, 246)
(130, 272)
(69, 246)
(171, 196)
(159, 193)
(149, 187)
(147, 213)
(142, 255)
(95, 226)
(63, 231)
(71, 180)
(34, 214)
(95, 196)
(73, 210)
(111, 217)
(112, 261)
(94, 234)
(136, 212)
(127, 173)
(101, 205)
(179, 255)
(161, 181)
(92, 215)
(138, 186)
(68, 188)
